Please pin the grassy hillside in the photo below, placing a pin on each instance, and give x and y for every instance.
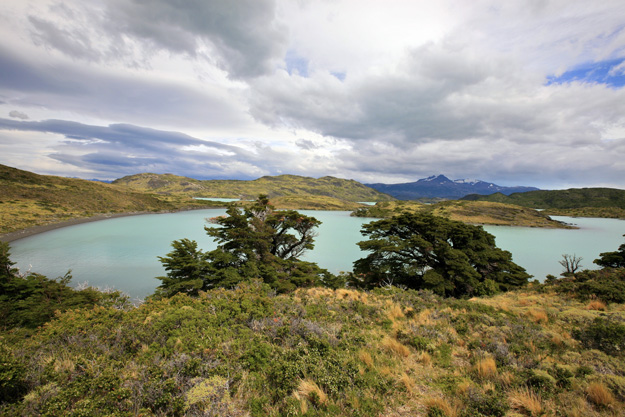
(28, 199)
(474, 212)
(587, 202)
(278, 186)
(322, 352)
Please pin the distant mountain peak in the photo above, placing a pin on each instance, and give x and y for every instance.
(439, 186)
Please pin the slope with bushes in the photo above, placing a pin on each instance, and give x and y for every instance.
(273, 186)
(322, 352)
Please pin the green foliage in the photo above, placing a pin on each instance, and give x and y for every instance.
(257, 242)
(607, 284)
(574, 198)
(604, 333)
(614, 259)
(422, 251)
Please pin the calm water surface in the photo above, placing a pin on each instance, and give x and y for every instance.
(122, 252)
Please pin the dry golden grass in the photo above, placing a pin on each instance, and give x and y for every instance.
(597, 305)
(366, 358)
(424, 318)
(538, 316)
(309, 390)
(396, 347)
(485, 368)
(395, 312)
(600, 395)
(526, 401)
(506, 378)
(449, 410)
(424, 358)
(407, 382)
(463, 387)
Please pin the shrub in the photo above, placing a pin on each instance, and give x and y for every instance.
(605, 334)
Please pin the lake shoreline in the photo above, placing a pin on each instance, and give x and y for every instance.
(35, 230)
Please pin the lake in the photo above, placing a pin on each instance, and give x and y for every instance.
(122, 252)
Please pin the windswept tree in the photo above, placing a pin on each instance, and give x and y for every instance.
(255, 242)
(614, 259)
(422, 251)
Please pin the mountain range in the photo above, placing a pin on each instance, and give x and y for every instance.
(439, 186)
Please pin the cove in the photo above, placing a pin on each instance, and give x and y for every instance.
(122, 253)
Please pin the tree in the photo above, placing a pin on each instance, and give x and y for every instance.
(186, 266)
(423, 251)
(256, 242)
(570, 263)
(614, 259)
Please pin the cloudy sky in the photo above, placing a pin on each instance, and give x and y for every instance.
(525, 92)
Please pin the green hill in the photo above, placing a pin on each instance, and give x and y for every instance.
(473, 212)
(587, 202)
(28, 199)
(278, 186)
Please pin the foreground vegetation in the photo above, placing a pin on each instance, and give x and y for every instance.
(322, 352)
(473, 212)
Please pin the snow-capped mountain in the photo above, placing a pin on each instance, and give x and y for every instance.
(439, 186)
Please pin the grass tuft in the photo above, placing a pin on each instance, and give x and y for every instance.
(485, 368)
(597, 305)
(309, 390)
(526, 401)
(437, 405)
(600, 395)
(396, 347)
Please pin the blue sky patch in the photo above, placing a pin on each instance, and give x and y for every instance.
(609, 72)
(296, 64)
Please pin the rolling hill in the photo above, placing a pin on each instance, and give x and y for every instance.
(276, 186)
(473, 212)
(28, 199)
(583, 202)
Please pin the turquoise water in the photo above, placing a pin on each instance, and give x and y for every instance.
(122, 252)
(219, 199)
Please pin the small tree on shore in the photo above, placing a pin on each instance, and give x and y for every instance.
(614, 259)
(570, 263)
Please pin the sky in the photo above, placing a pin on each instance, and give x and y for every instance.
(514, 92)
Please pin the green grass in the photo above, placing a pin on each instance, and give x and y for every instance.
(583, 202)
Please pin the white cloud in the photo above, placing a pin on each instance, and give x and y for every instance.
(376, 91)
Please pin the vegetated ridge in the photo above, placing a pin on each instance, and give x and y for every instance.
(582, 202)
(28, 199)
(442, 187)
(246, 352)
(474, 212)
(272, 186)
